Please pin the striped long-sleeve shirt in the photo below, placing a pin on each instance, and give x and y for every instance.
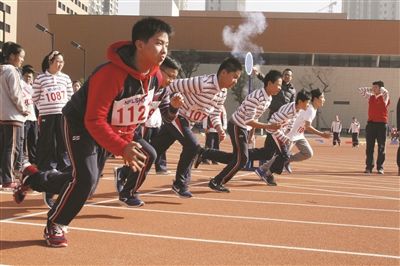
(252, 107)
(287, 114)
(51, 92)
(203, 97)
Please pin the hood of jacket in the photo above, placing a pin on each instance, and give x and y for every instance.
(121, 54)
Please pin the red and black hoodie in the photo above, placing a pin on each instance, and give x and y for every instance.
(90, 108)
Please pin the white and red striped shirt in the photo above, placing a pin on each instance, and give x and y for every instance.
(287, 114)
(252, 107)
(203, 97)
(51, 92)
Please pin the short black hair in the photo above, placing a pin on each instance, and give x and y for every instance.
(28, 69)
(379, 83)
(272, 75)
(169, 62)
(230, 64)
(8, 49)
(316, 93)
(286, 70)
(145, 28)
(303, 96)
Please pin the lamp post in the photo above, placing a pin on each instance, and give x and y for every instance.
(78, 46)
(44, 29)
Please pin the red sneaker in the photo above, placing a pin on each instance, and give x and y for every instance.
(54, 234)
(20, 193)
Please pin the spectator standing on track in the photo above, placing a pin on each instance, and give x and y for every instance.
(336, 128)
(354, 129)
(13, 111)
(51, 91)
(378, 103)
(31, 127)
(98, 120)
(76, 85)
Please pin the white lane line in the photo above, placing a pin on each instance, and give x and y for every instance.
(325, 181)
(365, 196)
(289, 204)
(348, 187)
(345, 193)
(23, 216)
(246, 217)
(223, 242)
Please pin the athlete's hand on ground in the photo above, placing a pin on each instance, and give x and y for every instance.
(326, 135)
(273, 126)
(133, 156)
(177, 100)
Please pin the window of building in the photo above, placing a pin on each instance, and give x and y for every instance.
(341, 102)
(389, 61)
(8, 27)
(5, 7)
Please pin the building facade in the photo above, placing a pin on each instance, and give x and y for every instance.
(8, 21)
(372, 9)
(221, 5)
(159, 8)
(103, 7)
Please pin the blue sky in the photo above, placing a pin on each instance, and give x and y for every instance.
(131, 7)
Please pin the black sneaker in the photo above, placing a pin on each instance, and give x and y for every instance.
(48, 199)
(368, 171)
(120, 175)
(287, 167)
(271, 180)
(217, 187)
(182, 192)
(198, 158)
(132, 201)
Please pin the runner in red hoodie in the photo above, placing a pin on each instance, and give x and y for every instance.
(101, 118)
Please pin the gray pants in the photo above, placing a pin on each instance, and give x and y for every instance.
(305, 151)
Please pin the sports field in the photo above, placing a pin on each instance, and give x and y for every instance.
(327, 212)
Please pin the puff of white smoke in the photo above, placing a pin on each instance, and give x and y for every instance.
(240, 40)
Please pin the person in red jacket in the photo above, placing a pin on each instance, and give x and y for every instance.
(101, 118)
(378, 103)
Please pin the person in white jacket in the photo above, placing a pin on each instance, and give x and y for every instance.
(355, 131)
(13, 111)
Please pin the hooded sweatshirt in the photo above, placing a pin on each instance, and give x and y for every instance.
(116, 99)
(12, 100)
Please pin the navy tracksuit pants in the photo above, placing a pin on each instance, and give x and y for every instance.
(237, 158)
(180, 130)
